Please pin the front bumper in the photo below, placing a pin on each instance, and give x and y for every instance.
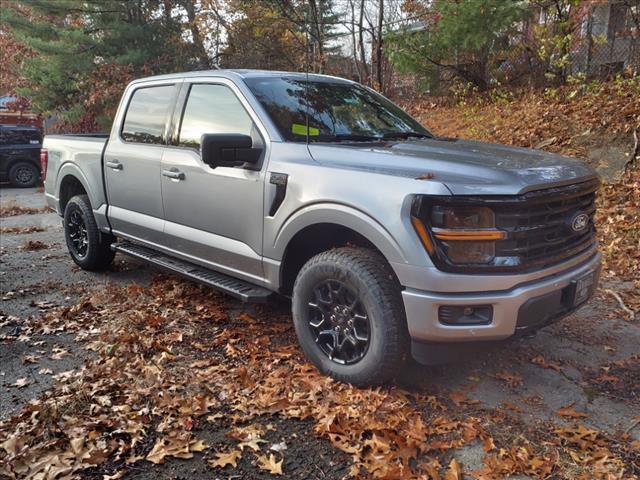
(526, 306)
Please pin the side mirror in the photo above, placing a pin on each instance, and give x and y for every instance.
(228, 150)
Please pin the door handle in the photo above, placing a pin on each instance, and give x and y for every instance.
(115, 165)
(174, 174)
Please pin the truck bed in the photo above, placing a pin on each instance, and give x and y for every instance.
(79, 155)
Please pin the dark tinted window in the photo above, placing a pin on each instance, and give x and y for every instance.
(337, 110)
(19, 136)
(147, 113)
(212, 109)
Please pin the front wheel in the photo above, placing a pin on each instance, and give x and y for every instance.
(349, 317)
(88, 247)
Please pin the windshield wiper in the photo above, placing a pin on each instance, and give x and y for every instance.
(356, 137)
(346, 137)
(404, 135)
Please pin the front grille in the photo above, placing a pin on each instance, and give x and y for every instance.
(538, 226)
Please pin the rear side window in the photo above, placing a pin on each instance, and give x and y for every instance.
(147, 114)
(212, 109)
(18, 136)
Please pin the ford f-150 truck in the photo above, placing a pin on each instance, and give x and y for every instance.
(390, 241)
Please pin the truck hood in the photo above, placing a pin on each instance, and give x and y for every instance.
(465, 167)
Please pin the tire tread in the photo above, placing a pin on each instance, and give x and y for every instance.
(99, 255)
(379, 278)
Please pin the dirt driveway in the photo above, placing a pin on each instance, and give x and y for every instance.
(136, 374)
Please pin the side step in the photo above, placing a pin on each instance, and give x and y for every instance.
(245, 291)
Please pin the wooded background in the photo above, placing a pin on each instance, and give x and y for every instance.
(70, 59)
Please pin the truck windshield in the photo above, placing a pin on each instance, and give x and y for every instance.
(338, 111)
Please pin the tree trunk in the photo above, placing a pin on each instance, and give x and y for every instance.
(354, 45)
(198, 45)
(379, 75)
(363, 59)
(318, 38)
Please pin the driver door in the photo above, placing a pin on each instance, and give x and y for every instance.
(213, 216)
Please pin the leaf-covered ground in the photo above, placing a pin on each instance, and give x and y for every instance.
(134, 374)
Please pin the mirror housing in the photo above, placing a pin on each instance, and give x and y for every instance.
(228, 150)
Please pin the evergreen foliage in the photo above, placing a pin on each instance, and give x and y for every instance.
(465, 37)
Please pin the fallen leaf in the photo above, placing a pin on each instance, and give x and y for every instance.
(540, 361)
(198, 446)
(454, 472)
(270, 464)
(10, 445)
(488, 444)
(568, 411)
(545, 143)
(30, 359)
(425, 176)
(224, 459)
(511, 379)
(460, 399)
(21, 382)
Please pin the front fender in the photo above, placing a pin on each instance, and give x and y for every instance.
(337, 214)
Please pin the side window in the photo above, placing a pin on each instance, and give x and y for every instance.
(147, 113)
(212, 109)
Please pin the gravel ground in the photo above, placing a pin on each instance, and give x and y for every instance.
(36, 274)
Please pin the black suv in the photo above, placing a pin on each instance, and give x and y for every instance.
(20, 155)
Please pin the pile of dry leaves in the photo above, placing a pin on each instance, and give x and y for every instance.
(569, 120)
(170, 357)
(11, 209)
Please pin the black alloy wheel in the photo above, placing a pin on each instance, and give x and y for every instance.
(23, 174)
(88, 246)
(79, 239)
(339, 322)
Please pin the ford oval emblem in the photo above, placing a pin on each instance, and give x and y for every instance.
(579, 222)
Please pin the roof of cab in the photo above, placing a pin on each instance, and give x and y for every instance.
(242, 73)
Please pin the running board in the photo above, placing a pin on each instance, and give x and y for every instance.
(245, 291)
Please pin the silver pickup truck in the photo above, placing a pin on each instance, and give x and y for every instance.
(389, 240)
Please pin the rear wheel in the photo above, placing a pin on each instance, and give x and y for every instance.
(23, 174)
(88, 247)
(349, 317)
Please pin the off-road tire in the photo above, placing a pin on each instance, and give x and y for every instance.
(23, 175)
(371, 278)
(98, 254)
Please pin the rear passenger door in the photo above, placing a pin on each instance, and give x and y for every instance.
(213, 215)
(132, 162)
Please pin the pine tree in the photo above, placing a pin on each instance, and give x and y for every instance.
(76, 43)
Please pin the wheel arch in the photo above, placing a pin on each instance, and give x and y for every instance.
(70, 172)
(70, 186)
(320, 228)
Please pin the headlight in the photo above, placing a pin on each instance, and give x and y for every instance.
(462, 234)
(462, 217)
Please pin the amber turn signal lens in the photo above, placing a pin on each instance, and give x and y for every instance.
(422, 233)
(470, 235)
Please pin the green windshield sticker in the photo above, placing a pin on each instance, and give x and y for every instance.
(302, 130)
